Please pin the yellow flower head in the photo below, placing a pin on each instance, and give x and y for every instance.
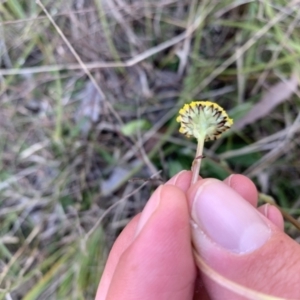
(203, 119)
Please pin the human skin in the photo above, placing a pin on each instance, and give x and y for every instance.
(152, 258)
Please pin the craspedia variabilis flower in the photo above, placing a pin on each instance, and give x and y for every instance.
(203, 119)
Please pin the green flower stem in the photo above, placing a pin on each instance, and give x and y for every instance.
(197, 161)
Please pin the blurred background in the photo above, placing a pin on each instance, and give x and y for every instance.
(90, 90)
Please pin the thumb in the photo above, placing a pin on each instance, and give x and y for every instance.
(234, 239)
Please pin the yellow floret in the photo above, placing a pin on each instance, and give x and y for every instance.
(203, 119)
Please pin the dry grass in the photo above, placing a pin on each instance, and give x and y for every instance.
(76, 128)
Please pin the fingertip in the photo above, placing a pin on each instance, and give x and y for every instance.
(169, 190)
(123, 241)
(182, 180)
(192, 191)
(266, 260)
(273, 214)
(160, 254)
(163, 193)
(151, 206)
(173, 179)
(243, 186)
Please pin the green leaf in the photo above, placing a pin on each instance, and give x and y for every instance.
(133, 127)
(238, 112)
(175, 166)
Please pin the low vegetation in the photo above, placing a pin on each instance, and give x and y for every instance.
(90, 90)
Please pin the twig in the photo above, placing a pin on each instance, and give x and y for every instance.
(146, 136)
(36, 230)
(243, 49)
(184, 52)
(135, 179)
(276, 152)
(113, 206)
(100, 65)
(270, 200)
(81, 63)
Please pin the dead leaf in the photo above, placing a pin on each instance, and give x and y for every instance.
(89, 109)
(117, 177)
(277, 94)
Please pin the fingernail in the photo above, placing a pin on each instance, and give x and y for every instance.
(149, 209)
(228, 219)
(228, 179)
(174, 179)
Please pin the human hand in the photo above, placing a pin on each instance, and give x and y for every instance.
(152, 258)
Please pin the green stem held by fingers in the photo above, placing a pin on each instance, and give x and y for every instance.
(205, 121)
